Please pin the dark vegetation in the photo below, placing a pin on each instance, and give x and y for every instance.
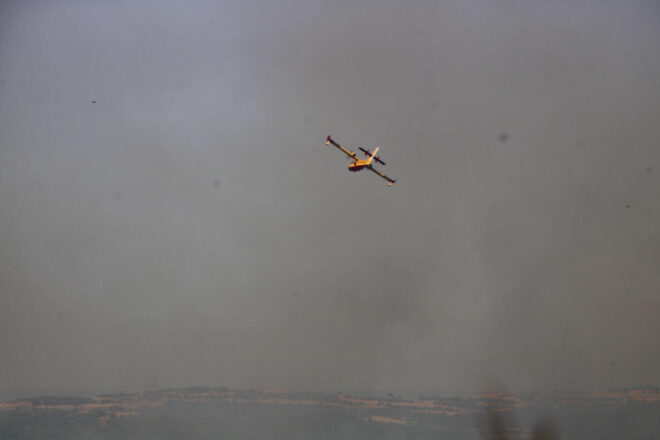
(57, 400)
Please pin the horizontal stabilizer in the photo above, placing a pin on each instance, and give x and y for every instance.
(368, 153)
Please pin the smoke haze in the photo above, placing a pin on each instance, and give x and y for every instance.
(169, 211)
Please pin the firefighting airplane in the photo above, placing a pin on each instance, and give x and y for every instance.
(358, 164)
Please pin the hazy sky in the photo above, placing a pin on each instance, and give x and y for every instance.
(192, 227)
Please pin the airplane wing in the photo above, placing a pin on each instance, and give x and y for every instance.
(389, 179)
(348, 153)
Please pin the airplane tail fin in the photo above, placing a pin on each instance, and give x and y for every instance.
(371, 158)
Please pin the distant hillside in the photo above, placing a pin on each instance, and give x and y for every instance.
(208, 412)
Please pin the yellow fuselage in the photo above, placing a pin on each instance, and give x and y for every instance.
(358, 165)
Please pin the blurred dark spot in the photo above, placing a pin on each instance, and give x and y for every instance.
(118, 195)
(93, 102)
(503, 137)
(649, 170)
(545, 429)
(216, 183)
(497, 423)
(627, 206)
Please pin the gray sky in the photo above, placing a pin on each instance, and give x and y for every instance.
(192, 226)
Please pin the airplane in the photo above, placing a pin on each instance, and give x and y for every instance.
(359, 164)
